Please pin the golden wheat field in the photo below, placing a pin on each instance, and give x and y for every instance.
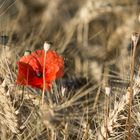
(69, 70)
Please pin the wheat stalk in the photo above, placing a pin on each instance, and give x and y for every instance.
(118, 113)
(8, 115)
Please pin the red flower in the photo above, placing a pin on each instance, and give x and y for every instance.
(30, 69)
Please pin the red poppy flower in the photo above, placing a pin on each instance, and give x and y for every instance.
(30, 69)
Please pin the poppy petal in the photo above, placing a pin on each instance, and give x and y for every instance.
(25, 73)
(30, 69)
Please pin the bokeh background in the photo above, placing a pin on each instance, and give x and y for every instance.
(86, 31)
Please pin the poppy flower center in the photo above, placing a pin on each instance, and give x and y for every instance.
(39, 74)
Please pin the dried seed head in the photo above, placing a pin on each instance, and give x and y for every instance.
(27, 52)
(135, 38)
(107, 91)
(47, 46)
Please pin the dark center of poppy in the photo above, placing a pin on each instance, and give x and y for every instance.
(39, 74)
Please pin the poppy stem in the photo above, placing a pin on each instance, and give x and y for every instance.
(44, 77)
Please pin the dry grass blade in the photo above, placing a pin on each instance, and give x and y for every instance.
(8, 115)
(135, 39)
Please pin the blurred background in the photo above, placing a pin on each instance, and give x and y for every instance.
(88, 33)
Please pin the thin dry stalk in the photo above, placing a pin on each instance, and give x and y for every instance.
(66, 132)
(107, 116)
(53, 135)
(44, 75)
(135, 38)
(86, 132)
(99, 89)
(105, 84)
(96, 98)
